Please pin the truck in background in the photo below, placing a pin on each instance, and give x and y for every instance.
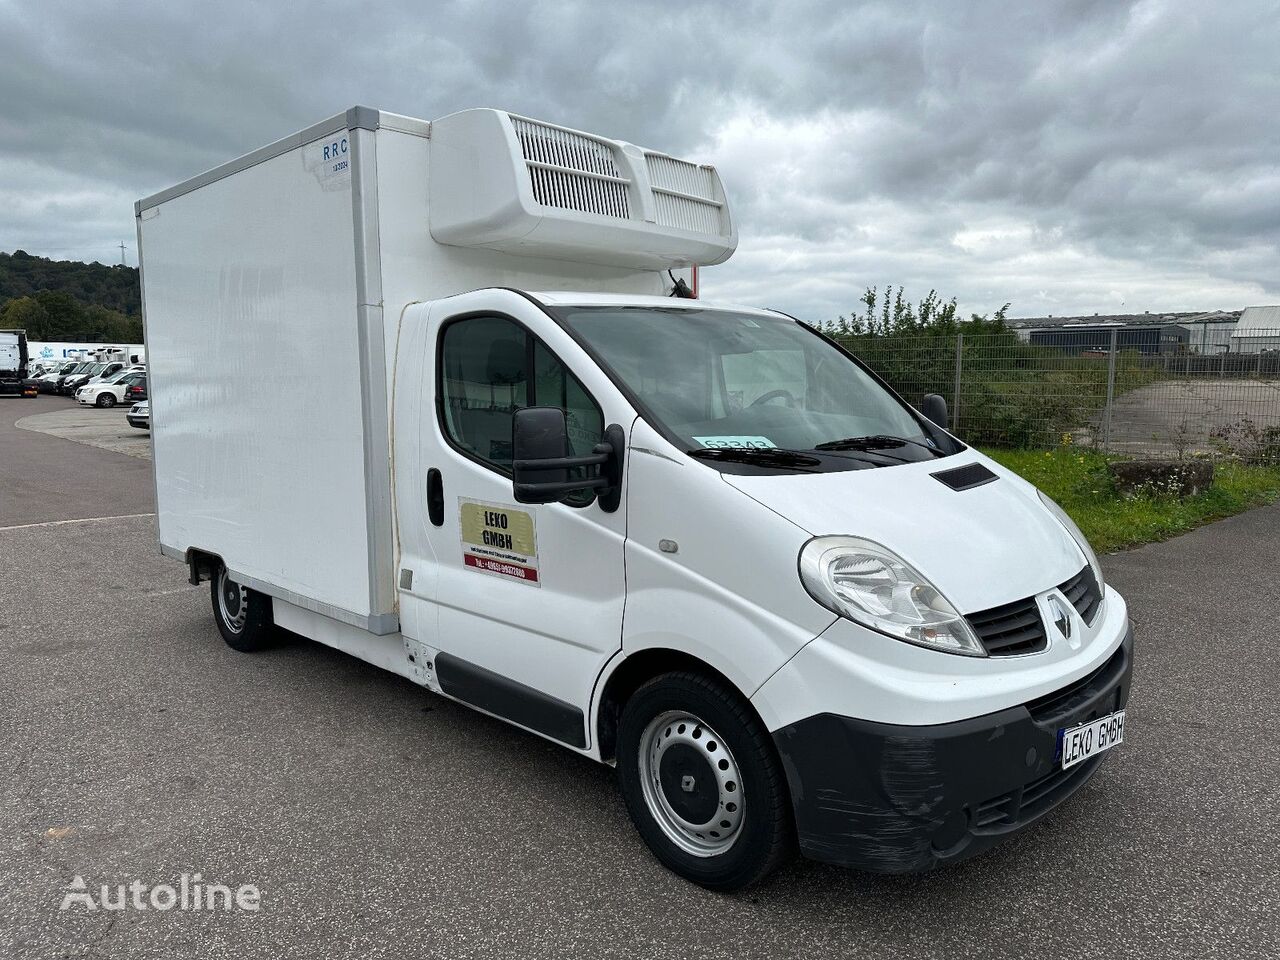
(13, 364)
(54, 352)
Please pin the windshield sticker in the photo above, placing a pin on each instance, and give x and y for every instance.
(499, 540)
(759, 443)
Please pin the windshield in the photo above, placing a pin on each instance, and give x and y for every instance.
(718, 379)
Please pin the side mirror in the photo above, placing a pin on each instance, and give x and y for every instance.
(935, 409)
(540, 462)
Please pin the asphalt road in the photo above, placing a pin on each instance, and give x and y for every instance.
(46, 478)
(379, 820)
(107, 429)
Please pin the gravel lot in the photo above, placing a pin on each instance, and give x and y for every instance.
(378, 820)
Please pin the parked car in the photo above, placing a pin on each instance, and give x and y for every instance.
(112, 373)
(47, 378)
(72, 381)
(97, 372)
(139, 415)
(126, 389)
(53, 380)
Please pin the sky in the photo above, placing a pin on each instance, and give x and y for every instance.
(1065, 157)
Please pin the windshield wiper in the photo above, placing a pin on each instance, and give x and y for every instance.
(874, 443)
(764, 456)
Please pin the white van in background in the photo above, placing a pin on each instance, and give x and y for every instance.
(696, 540)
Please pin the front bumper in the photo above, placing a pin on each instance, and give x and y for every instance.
(899, 799)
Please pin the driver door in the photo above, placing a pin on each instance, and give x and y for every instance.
(529, 596)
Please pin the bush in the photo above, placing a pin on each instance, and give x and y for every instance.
(1011, 392)
(1247, 441)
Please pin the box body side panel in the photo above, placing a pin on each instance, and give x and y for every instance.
(253, 345)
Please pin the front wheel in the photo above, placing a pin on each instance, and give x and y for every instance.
(106, 400)
(243, 616)
(702, 781)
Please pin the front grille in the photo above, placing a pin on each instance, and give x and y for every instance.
(1012, 629)
(1017, 627)
(1085, 595)
(1028, 802)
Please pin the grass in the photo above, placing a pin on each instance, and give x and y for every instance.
(1078, 480)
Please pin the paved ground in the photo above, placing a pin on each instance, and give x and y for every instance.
(107, 429)
(46, 478)
(379, 820)
(1182, 416)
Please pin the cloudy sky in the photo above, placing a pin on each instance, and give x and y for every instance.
(1070, 157)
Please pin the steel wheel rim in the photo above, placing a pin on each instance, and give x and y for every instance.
(233, 602)
(720, 773)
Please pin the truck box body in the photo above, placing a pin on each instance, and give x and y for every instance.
(273, 288)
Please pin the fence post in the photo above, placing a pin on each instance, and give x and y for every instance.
(1111, 393)
(955, 396)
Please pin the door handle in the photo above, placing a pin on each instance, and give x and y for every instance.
(435, 497)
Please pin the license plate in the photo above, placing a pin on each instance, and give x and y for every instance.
(1082, 742)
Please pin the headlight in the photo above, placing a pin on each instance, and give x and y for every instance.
(868, 584)
(1080, 539)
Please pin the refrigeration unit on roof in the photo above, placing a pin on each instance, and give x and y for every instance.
(504, 182)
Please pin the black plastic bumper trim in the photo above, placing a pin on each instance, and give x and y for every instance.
(889, 798)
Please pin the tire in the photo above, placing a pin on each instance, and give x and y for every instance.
(106, 400)
(703, 783)
(243, 616)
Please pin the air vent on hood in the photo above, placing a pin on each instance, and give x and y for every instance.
(967, 477)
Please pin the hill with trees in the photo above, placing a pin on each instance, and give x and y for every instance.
(68, 300)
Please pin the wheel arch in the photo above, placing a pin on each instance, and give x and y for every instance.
(634, 671)
(201, 564)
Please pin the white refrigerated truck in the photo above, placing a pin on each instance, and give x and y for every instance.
(699, 541)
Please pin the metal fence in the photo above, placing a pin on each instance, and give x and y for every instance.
(1004, 392)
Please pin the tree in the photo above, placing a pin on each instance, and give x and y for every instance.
(66, 315)
(26, 313)
(104, 324)
(892, 314)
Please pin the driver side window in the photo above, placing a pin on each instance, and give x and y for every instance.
(489, 368)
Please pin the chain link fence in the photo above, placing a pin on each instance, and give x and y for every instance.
(1005, 392)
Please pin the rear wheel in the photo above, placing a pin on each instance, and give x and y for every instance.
(702, 781)
(243, 615)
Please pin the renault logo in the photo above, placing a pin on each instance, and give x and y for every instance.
(1061, 619)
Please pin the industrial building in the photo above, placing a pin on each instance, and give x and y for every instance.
(1147, 333)
(1257, 331)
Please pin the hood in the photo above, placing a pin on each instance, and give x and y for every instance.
(982, 547)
